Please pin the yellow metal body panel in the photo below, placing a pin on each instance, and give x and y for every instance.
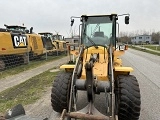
(100, 69)
(55, 44)
(118, 53)
(67, 66)
(123, 69)
(35, 42)
(60, 45)
(6, 45)
(117, 62)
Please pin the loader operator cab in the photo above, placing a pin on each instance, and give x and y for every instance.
(18, 28)
(47, 34)
(58, 37)
(51, 36)
(96, 30)
(99, 30)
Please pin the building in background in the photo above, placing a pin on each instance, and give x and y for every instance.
(73, 39)
(141, 39)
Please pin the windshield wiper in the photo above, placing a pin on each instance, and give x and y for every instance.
(95, 29)
(93, 43)
(89, 37)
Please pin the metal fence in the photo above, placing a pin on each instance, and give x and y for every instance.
(10, 60)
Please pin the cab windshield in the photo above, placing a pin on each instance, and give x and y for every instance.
(16, 28)
(97, 31)
(57, 37)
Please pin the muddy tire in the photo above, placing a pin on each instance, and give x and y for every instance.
(2, 65)
(61, 92)
(128, 98)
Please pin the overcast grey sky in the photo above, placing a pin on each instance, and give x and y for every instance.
(54, 15)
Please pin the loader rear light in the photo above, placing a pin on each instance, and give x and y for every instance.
(126, 47)
(69, 47)
(3, 48)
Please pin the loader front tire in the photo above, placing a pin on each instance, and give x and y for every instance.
(60, 92)
(128, 98)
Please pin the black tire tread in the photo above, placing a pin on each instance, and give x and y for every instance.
(60, 92)
(129, 98)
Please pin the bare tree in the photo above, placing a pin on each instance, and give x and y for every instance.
(156, 37)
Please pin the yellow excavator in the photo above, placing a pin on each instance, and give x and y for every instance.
(19, 45)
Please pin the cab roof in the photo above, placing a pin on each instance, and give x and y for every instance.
(99, 15)
(14, 26)
(45, 33)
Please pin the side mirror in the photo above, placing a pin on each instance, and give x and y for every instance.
(126, 47)
(72, 22)
(127, 20)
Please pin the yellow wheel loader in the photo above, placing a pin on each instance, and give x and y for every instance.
(98, 69)
(51, 47)
(58, 42)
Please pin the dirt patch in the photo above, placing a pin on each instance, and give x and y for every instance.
(42, 107)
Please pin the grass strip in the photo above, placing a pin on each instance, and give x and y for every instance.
(144, 50)
(27, 92)
(152, 47)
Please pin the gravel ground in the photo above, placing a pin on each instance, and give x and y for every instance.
(146, 69)
(42, 108)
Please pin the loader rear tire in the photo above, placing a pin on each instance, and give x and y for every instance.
(128, 98)
(61, 92)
